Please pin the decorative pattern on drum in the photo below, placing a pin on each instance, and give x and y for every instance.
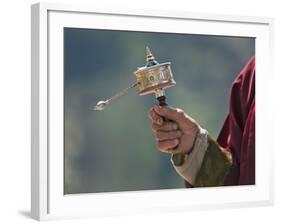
(158, 76)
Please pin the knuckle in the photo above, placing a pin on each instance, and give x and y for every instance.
(159, 146)
(167, 146)
(158, 135)
(180, 112)
(154, 127)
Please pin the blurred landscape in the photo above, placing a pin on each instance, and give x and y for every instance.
(114, 150)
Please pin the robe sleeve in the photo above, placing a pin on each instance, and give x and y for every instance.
(222, 161)
(207, 164)
(215, 166)
(238, 132)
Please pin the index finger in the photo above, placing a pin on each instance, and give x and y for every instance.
(174, 114)
(155, 118)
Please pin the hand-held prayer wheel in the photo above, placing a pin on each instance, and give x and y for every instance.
(154, 78)
(151, 78)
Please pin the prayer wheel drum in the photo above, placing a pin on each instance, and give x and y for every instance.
(154, 77)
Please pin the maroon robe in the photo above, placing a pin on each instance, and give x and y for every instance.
(238, 132)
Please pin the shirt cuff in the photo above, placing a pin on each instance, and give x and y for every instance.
(193, 161)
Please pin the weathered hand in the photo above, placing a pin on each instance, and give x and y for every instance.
(176, 133)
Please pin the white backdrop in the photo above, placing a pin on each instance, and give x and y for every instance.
(15, 111)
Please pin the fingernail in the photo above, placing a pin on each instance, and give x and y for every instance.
(159, 121)
(179, 133)
(175, 126)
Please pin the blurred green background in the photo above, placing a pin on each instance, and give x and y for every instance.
(114, 150)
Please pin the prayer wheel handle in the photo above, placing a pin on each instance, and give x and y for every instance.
(178, 159)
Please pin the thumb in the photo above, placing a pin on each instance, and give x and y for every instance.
(174, 114)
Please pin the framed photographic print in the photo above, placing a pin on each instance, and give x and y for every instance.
(100, 146)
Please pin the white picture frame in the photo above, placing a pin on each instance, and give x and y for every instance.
(47, 198)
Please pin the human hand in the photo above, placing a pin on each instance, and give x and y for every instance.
(176, 133)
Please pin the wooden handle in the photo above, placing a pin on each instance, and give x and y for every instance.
(178, 159)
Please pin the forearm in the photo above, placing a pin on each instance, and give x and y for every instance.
(215, 166)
